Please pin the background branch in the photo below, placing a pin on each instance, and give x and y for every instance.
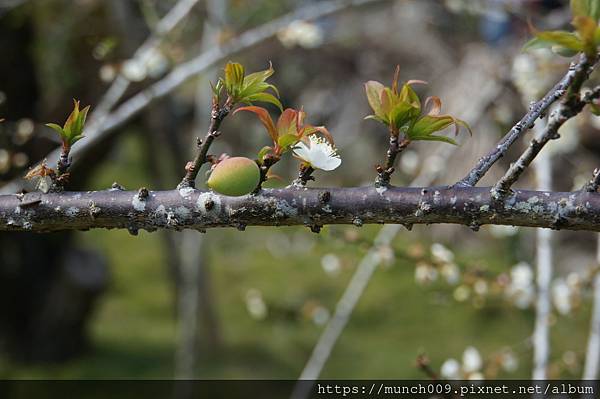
(569, 107)
(576, 71)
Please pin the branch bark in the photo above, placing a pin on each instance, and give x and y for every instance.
(189, 208)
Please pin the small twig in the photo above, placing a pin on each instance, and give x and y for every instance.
(592, 185)
(424, 365)
(62, 169)
(268, 161)
(384, 173)
(217, 115)
(578, 72)
(304, 176)
(569, 107)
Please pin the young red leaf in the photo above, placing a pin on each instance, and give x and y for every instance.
(264, 117)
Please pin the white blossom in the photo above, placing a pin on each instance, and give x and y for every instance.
(441, 254)
(319, 153)
(302, 33)
(256, 306)
(509, 362)
(331, 264)
(451, 273)
(561, 296)
(451, 369)
(425, 274)
(471, 360)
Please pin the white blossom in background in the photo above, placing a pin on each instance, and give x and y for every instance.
(409, 162)
(151, 63)
(471, 359)
(450, 273)
(331, 264)
(521, 290)
(4, 160)
(134, 70)
(501, 231)
(451, 370)
(469, 369)
(386, 254)
(480, 287)
(425, 273)
(509, 362)
(478, 376)
(256, 306)
(301, 33)
(441, 253)
(561, 296)
(526, 73)
(320, 316)
(462, 293)
(107, 73)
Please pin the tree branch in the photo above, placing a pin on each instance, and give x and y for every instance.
(217, 115)
(189, 208)
(578, 72)
(571, 106)
(384, 173)
(594, 183)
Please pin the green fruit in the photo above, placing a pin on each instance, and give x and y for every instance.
(234, 176)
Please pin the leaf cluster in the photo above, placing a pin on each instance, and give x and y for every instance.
(401, 110)
(585, 38)
(247, 89)
(72, 130)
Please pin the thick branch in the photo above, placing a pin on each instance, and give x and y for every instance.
(189, 208)
(577, 73)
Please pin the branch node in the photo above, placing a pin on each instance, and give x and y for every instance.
(94, 210)
(143, 194)
(116, 186)
(315, 228)
(324, 197)
(357, 222)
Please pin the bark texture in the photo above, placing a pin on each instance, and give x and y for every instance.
(313, 207)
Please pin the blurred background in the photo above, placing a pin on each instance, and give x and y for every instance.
(232, 304)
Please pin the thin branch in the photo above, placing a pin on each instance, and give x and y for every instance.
(191, 68)
(268, 161)
(384, 173)
(594, 183)
(571, 106)
(304, 176)
(578, 72)
(217, 115)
